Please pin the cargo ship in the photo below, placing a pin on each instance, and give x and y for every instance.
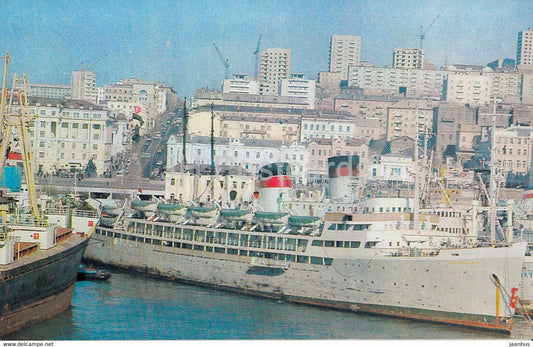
(390, 260)
(41, 246)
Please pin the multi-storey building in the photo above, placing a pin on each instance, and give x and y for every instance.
(389, 81)
(207, 97)
(407, 58)
(526, 88)
(472, 89)
(83, 86)
(240, 84)
(67, 134)
(299, 87)
(513, 148)
(338, 126)
(187, 184)
(374, 106)
(43, 90)
(148, 99)
(275, 65)
(409, 118)
(322, 149)
(248, 154)
(344, 51)
(246, 122)
(524, 50)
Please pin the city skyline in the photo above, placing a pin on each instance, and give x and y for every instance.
(172, 42)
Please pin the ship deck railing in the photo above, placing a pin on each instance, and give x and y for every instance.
(410, 252)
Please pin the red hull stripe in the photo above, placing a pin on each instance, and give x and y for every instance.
(276, 182)
(344, 171)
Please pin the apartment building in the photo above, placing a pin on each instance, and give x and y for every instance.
(275, 65)
(208, 97)
(240, 84)
(524, 50)
(248, 154)
(344, 51)
(43, 90)
(83, 86)
(67, 134)
(339, 126)
(246, 122)
(467, 89)
(298, 86)
(391, 81)
(409, 118)
(513, 150)
(407, 58)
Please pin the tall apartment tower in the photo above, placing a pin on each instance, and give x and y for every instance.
(84, 85)
(524, 51)
(407, 58)
(275, 65)
(344, 51)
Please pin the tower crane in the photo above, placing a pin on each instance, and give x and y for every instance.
(256, 53)
(423, 32)
(224, 61)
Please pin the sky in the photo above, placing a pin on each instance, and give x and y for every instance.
(172, 41)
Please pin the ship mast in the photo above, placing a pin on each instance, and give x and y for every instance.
(492, 183)
(184, 123)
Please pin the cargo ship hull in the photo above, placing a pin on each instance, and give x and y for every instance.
(39, 286)
(420, 288)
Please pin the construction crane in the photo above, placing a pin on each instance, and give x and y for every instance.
(224, 61)
(256, 53)
(423, 32)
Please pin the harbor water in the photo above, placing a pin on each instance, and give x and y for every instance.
(136, 307)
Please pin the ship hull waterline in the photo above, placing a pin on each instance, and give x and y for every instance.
(205, 270)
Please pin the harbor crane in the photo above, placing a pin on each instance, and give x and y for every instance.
(224, 61)
(256, 53)
(423, 32)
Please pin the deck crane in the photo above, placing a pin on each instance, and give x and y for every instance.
(224, 61)
(17, 117)
(256, 53)
(423, 32)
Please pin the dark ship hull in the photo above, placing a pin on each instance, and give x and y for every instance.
(40, 285)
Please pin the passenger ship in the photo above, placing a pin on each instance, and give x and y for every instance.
(390, 263)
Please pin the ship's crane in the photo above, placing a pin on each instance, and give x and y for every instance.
(13, 117)
(423, 32)
(224, 61)
(256, 54)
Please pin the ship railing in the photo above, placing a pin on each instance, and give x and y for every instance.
(84, 213)
(410, 252)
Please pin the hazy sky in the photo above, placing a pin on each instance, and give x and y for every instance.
(172, 41)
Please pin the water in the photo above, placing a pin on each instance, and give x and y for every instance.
(133, 307)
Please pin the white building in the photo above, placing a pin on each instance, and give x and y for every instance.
(335, 126)
(250, 155)
(240, 84)
(392, 169)
(468, 89)
(344, 51)
(56, 91)
(299, 87)
(229, 187)
(274, 66)
(524, 50)
(128, 96)
(83, 86)
(389, 81)
(407, 58)
(67, 134)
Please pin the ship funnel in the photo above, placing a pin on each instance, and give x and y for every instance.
(343, 171)
(274, 186)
